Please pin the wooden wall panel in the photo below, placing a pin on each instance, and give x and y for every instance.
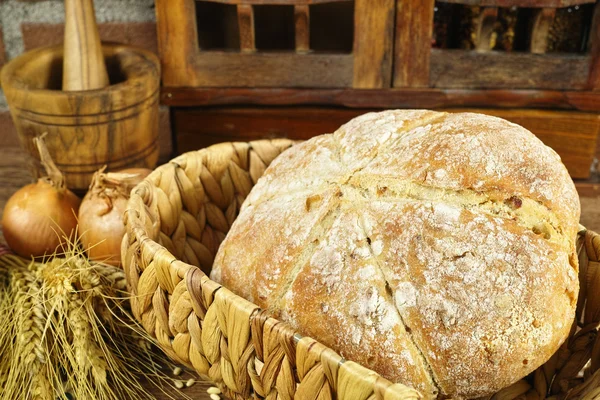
(262, 69)
(414, 24)
(177, 41)
(385, 98)
(540, 27)
(373, 43)
(246, 27)
(302, 27)
(494, 69)
(594, 71)
(572, 134)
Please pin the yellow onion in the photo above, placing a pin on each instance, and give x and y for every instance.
(41, 217)
(101, 226)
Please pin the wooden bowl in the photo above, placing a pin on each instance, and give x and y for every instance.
(115, 126)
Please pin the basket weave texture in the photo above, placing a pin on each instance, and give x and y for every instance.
(177, 218)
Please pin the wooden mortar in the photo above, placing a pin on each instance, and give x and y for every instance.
(115, 126)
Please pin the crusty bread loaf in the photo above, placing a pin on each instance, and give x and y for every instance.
(437, 249)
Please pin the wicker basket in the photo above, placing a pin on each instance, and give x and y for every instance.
(175, 222)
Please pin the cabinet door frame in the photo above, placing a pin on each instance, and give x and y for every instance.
(186, 65)
(418, 65)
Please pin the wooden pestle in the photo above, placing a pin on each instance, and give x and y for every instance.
(83, 64)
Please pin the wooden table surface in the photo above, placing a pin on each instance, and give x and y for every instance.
(14, 174)
(198, 391)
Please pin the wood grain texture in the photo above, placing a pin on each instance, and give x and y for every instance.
(262, 69)
(185, 65)
(116, 126)
(484, 28)
(589, 188)
(469, 69)
(83, 66)
(594, 71)
(245, 14)
(384, 98)
(520, 3)
(373, 43)
(245, 124)
(196, 392)
(414, 25)
(275, 2)
(177, 41)
(302, 27)
(540, 26)
(14, 174)
(572, 134)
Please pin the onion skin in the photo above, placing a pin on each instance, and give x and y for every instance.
(39, 218)
(101, 226)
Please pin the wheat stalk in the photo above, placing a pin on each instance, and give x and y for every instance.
(25, 360)
(65, 327)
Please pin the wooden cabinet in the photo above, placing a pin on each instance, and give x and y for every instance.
(508, 44)
(376, 44)
(198, 51)
(320, 62)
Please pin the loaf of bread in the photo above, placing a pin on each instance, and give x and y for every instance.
(436, 249)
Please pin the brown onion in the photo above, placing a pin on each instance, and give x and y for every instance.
(41, 217)
(101, 226)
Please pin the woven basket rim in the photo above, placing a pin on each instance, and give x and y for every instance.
(192, 274)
